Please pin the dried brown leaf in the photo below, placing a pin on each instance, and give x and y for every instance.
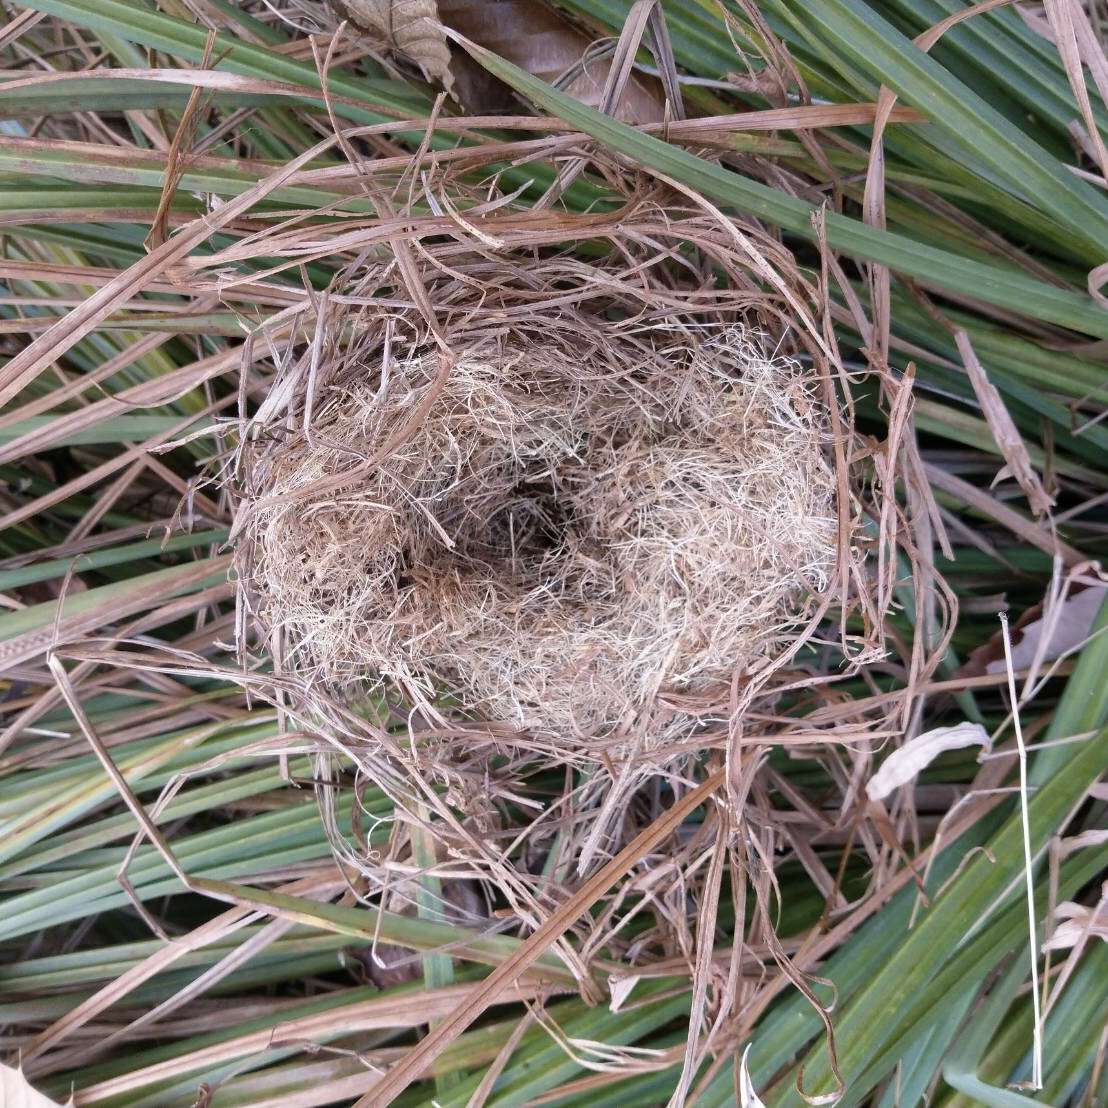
(1080, 923)
(408, 28)
(1064, 630)
(529, 34)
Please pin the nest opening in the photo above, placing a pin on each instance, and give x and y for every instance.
(563, 542)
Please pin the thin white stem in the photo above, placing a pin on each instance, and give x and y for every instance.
(1037, 1046)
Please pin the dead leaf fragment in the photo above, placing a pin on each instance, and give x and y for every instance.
(748, 1098)
(1080, 922)
(619, 989)
(902, 765)
(408, 28)
(1079, 43)
(1092, 837)
(1065, 629)
(537, 38)
(15, 1092)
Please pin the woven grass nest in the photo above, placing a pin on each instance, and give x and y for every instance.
(569, 499)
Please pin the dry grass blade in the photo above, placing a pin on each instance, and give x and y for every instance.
(1004, 430)
(1007, 517)
(1079, 45)
(412, 1009)
(1029, 874)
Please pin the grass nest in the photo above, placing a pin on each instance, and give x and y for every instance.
(584, 506)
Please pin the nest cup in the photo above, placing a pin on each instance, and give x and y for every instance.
(578, 510)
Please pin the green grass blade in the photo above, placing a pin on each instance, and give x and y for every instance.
(382, 100)
(876, 47)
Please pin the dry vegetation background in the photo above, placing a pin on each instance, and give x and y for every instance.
(504, 512)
